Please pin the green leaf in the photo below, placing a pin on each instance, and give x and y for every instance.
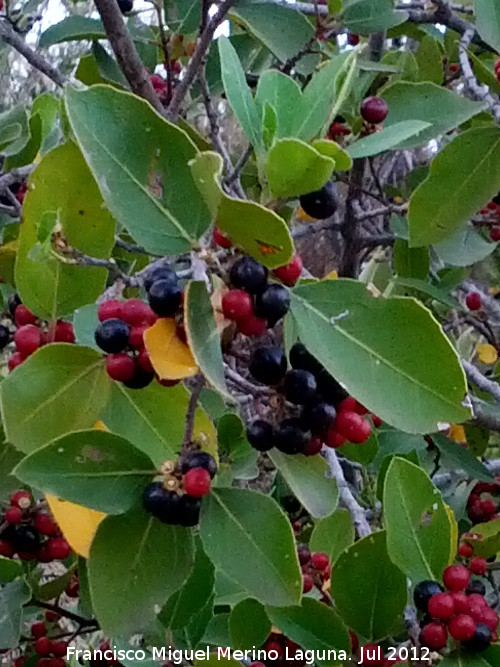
(194, 594)
(343, 161)
(387, 138)
(153, 419)
(333, 534)
(235, 448)
(294, 168)
(136, 562)
(239, 527)
(228, 592)
(238, 93)
(60, 388)
(462, 458)
(72, 28)
(306, 477)
(283, 94)
(339, 322)
(411, 262)
(470, 166)
(429, 58)
(9, 570)
(370, 600)
(490, 658)
(12, 598)
(29, 152)
(283, 29)
(488, 21)
(93, 468)
(145, 181)
(258, 230)
(203, 335)
(183, 16)
(489, 544)
(249, 625)
(63, 184)
(418, 527)
(464, 247)
(14, 130)
(366, 16)
(85, 323)
(434, 291)
(9, 133)
(53, 588)
(436, 105)
(364, 454)
(9, 458)
(315, 627)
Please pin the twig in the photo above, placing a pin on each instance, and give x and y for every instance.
(375, 240)
(191, 411)
(239, 166)
(315, 227)
(15, 175)
(196, 62)
(348, 500)
(11, 37)
(244, 384)
(126, 53)
(71, 616)
(477, 378)
(350, 228)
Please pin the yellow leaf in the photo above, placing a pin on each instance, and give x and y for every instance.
(78, 524)
(302, 215)
(487, 354)
(333, 275)
(100, 426)
(457, 433)
(453, 533)
(170, 357)
(494, 291)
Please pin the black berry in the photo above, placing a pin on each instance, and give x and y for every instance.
(260, 435)
(322, 203)
(4, 336)
(112, 335)
(318, 418)
(125, 6)
(165, 298)
(13, 302)
(290, 436)
(302, 359)
(273, 303)
(188, 511)
(198, 460)
(158, 502)
(300, 386)
(160, 273)
(290, 504)
(476, 586)
(423, 593)
(249, 275)
(481, 640)
(331, 390)
(268, 365)
(25, 538)
(141, 379)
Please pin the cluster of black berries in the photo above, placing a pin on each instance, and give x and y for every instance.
(254, 304)
(28, 333)
(461, 613)
(328, 415)
(30, 532)
(176, 499)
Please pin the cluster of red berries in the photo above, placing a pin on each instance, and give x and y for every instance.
(492, 213)
(30, 532)
(315, 568)
(328, 415)
(461, 613)
(176, 498)
(252, 303)
(481, 506)
(30, 332)
(49, 652)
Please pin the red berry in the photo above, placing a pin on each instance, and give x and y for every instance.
(350, 404)
(15, 360)
(252, 326)
(220, 239)
(57, 662)
(43, 554)
(495, 234)
(353, 39)
(313, 446)
(462, 627)
(497, 65)
(136, 338)
(64, 332)
(276, 647)
(490, 618)
(352, 426)
(14, 515)
(473, 301)
(42, 646)
(21, 499)
(374, 656)
(465, 550)
(354, 641)
(377, 421)
(197, 482)
(374, 109)
(135, 312)
(320, 561)
(43, 662)
(45, 524)
(304, 554)
(434, 636)
(456, 577)
(73, 588)
(58, 548)
(461, 602)
(109, 310)
(290, 273)
(307, 583)
(334, 439)
(51, 616)
(120, 367)
(144, 361)
(27, 339)
(38, 630)
(19, 662)
(487, 506)
(59, 648)
(476, 599)
(237, 305)
(6, 549)
(454, 68)
(441, 606)
(24, 316)
(478, 566)
(476, 610)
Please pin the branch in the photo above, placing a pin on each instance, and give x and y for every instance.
(315, 228)
(191, 411)
(197, 61)
(15, 175)
(126, 53)
(348, 500)
(476, 377)
(83, 622)
(11, 37)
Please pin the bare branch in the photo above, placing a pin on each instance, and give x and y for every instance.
(315, 227)
(476, 377)
(477, 90)
(126, 53)
(191, 411)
